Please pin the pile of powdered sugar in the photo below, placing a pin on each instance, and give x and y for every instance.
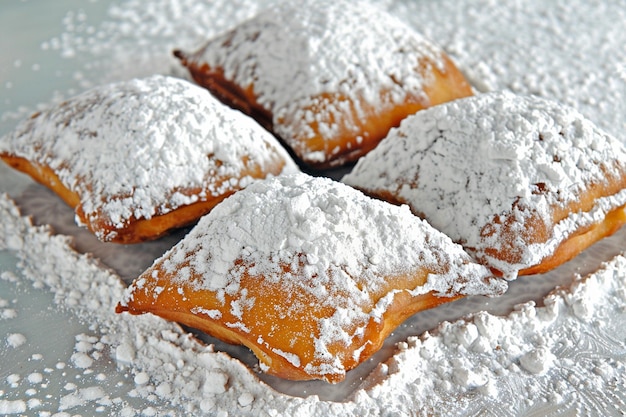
(145, 147)
(567, 357)
(463, 163)
(537, 359)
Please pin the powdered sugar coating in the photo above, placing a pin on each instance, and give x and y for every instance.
(144, 147)
(340, 247)
(292, 54)
(463, 163)
(572, 54)
(341, 236)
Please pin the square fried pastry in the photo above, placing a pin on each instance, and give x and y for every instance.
(310, 274)
(523, 183)
(138, 158)
(328, 77)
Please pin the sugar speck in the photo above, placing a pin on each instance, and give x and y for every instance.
(81, 360)
(16, 340)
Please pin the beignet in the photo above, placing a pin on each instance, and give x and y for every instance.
(138, 158)
(523, 183)
(309, 273)
(330, 77)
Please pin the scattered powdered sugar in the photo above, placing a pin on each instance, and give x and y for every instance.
(81, 396)
(6, 312)
(463, 163)
(535, 47)
(145, 147)
(536, 359)
(138, 39)
(571, 51)
(328, 61)
(12, 407)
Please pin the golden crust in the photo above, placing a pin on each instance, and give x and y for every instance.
(536, 231)
(579, 240)
(137, 230)
(270, 329)
(445, 84)
(138, 158)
